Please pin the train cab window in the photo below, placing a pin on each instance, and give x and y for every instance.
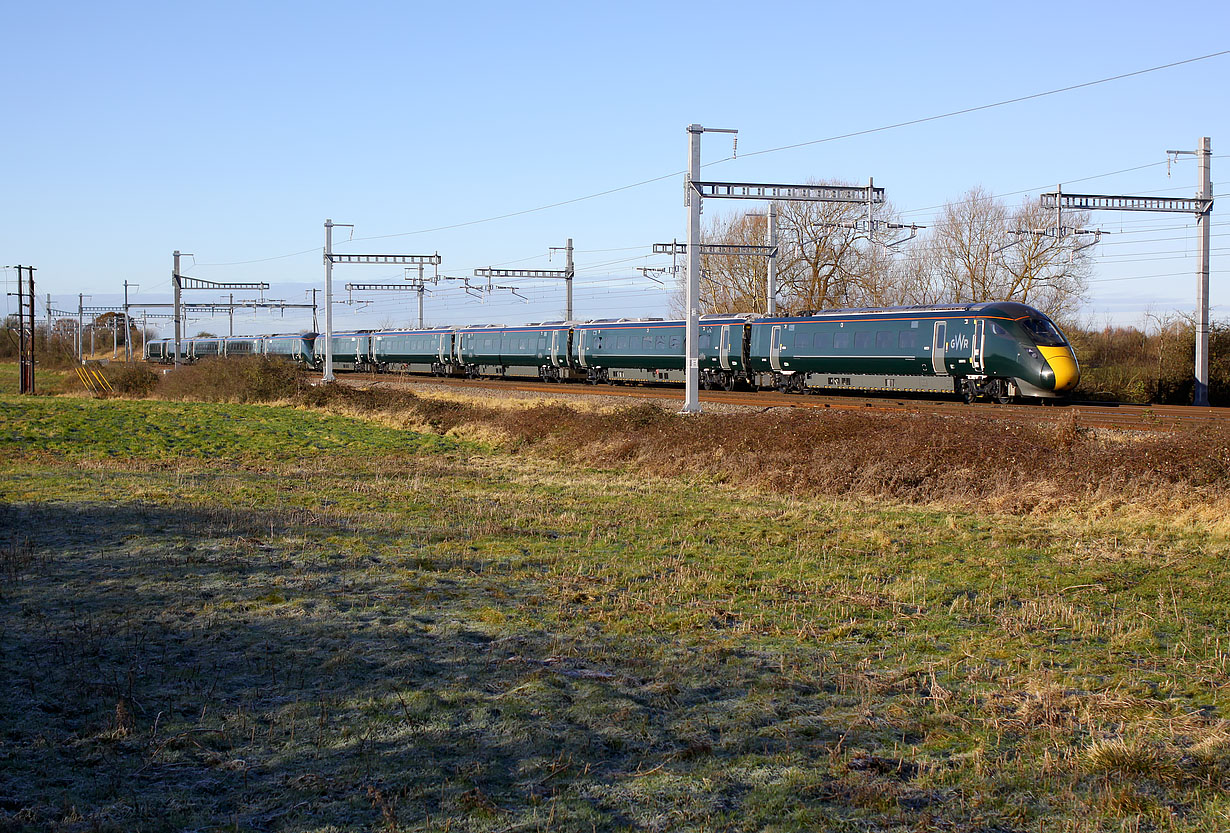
(842, 340)
(908, 340)
(862, 341)
(996, 329)
(1044, 333)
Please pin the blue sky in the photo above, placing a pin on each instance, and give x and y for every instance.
(233, 130)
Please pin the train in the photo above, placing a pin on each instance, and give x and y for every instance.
(1000, 351)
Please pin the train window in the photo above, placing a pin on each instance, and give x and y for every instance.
(675, 342)
(662, 344)
(525, 345)
(703, 341)
(1044, 332)
(998, 330)
(802, 340)
(824, 340)
(908, 340)
(862, 341)
(647, 344)
(621, 342)
(885, 340)
(842, 340)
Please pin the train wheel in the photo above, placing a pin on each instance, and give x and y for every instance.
(1000, 391)
(728, 381)
(969, 391)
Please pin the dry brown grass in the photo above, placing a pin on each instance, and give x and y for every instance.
(915, 458)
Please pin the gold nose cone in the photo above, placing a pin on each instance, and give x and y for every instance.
(1063, 363)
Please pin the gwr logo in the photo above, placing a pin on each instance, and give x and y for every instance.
(959, 342)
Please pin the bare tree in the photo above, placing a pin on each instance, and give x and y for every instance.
(823, 261)
(966, 244)
(831, 256)
(981, 251)
(735, 283)
(1045, 267)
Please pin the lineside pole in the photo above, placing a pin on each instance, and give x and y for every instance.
(30, 351)
(81, 325)
(21, 332)
(328, 374)
(771, 289)
(571, 270)
(1200, 394)
(691, 370)
(178, 361)
(127, 327)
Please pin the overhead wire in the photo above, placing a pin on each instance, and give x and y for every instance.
(746, 154)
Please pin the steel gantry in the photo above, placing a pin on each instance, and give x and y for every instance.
(182, 282)
(731, 250)
(1202, 206)
(567, 274)
(695, 191)
(331, 258)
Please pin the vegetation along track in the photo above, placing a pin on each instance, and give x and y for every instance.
(1091, 414)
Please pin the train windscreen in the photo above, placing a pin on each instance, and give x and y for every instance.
(1044, 333)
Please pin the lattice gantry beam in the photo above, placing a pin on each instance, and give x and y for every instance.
(521, 273)
(805, 193)
(404, 260)
(714, 249)
(186, 282)
(382, 287)
(1178, 205)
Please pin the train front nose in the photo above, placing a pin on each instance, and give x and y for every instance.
(1062, 362)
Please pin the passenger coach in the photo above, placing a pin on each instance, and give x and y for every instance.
(996, 350)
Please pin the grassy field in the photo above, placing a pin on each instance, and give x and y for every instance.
(290, 621)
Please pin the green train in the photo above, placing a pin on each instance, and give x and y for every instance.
(1000, 351)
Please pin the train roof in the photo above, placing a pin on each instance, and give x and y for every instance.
(1012, 309)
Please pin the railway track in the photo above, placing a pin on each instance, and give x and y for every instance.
(1087, 414)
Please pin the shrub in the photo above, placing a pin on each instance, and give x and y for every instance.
(246, 379)
(1129, 365)
(132, 379)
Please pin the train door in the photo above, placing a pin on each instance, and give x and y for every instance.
(724, 348)
(775, 349)
(581, 348)
(937, 348)
(979, 348)
(555, 348)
